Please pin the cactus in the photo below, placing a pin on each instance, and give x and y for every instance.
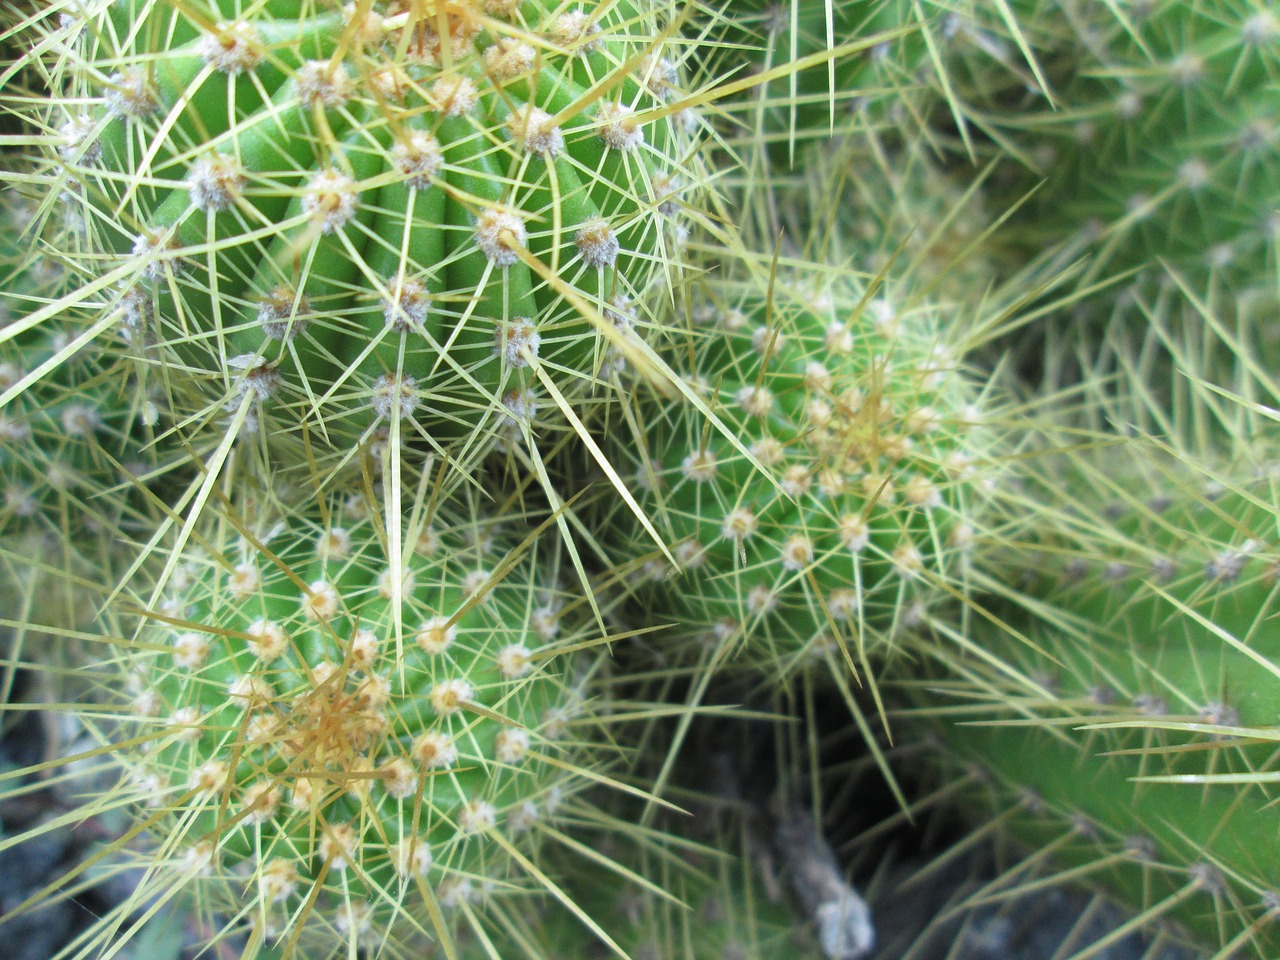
(840, 66)
(717, 899)
(886, 206)
(849, 497)
(705, 889)
(1160, 141)
(1127, 726)
(429, 214)
(326, 752)
(79, 475)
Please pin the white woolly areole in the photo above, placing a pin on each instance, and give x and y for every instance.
(435, 750)
(498, 234)
(281, 313)
(80, 420)
(157, 252)
(757, 401)
(418, 159)
(232, 48)
(333, 544)
(277, 880)
(797, 552)
(521, 406)
(509, 57)
(130, 95)
(617, 126)
(338, 845)
(770, 451)
(389, 82)
(244, 581)
(545, 621)
(399, 778)
(331, 197)
(739, 524)
(320, 602)
(436, 635)
(407, 305)
(190, 650)
(477, 816)
(517, 342)
(514, 661)
(412, 857)
(510, 746)
(215, 183)
(267, 640)
(660, 75)
(365, 648)
(908, 561)
(854, 532)
(699, 466)
(531, 129)
(260, 378)
(448, 696)
(843, 603)
(80, 140)
(454, 96)
(323, 84)
(394, 394)
(597, 243)
(575, 32)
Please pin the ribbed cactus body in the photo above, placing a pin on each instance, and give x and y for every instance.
(1155, 661)
(1161, 140)
(321, 736)
(849, 498)
(74, 447)
(363, 213)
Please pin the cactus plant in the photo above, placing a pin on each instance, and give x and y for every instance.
(853, 490)
(1159, 143)
(840, 66)
(79, 475)
(1127, 725)
(363, 215)
(323, 751)
(74, 449)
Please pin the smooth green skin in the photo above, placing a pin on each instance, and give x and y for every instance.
(1139, 637)
(347, 342)
(1092, 183)
(689, 510)
(489, 626)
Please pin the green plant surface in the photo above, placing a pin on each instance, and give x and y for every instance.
(861, 468)
(836, 66)
(1126, 726)
(1157, 151)
(322, 756)
(337, 217)
(80, 475)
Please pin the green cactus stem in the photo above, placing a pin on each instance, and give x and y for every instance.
(360, 214)
(330, 752)
(1127, 728)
